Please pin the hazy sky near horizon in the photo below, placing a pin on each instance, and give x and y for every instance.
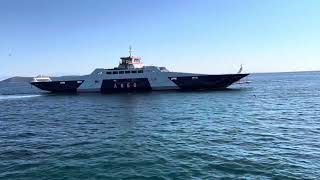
(59, 37)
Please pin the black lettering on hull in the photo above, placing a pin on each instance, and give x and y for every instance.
(125, 85)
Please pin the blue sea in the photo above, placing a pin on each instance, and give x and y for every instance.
(268, 129)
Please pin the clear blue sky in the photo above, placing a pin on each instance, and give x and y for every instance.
(59, 37)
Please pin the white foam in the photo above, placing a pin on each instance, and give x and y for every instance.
(5, 97)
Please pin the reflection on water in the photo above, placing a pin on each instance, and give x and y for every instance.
(8, 97)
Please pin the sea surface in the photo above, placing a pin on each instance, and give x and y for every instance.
(268, 129)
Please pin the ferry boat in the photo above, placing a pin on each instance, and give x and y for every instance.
(132, 75)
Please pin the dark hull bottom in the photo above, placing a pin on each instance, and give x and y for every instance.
(207, 82)
(189, 83)
(58, 86)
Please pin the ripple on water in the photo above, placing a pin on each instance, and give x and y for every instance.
(267, 130)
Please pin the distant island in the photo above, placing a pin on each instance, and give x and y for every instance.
(17, 79)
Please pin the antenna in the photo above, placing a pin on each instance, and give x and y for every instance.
(130, 50)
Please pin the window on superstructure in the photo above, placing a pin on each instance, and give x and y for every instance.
(108, 72)
(115, 72)
(127, 72)
(140, 71)
(133, 71)
(121, 72)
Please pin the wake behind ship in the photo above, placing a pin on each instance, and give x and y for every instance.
(133, 76)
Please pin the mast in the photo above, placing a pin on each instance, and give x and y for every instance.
(130, 51)
(240, 70)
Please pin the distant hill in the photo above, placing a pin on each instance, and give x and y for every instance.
(17, 79)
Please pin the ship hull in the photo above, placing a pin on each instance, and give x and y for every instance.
(58, 86)
(207, 82)
(139, 84)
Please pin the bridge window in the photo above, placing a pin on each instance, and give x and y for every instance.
(108, 72)
(133, 71)
(121, 72)
(127, 72)
(115, 72)
(140, 71)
